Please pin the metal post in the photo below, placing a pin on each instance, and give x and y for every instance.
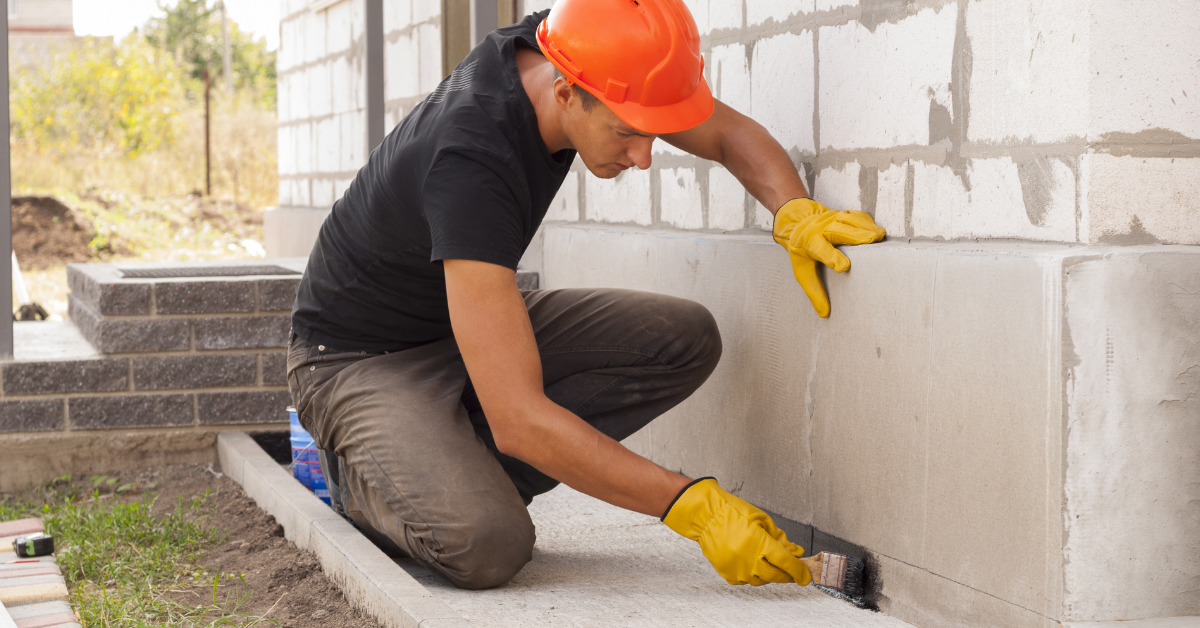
(484, 19)
(6, 294)
(207, 140)
(374, 78)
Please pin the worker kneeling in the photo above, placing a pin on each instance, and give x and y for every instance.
(447, 399)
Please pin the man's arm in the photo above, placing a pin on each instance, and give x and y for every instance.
(491, 325)
(748, 151)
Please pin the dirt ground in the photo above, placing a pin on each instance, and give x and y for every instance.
(278, 573)
(45, 233)
(280, 577)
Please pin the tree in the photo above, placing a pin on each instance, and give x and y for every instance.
(191, 32)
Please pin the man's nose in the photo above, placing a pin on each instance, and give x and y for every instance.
(639, 152)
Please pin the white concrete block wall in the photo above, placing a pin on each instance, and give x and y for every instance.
(877, 86)
(1029, 77)
(322, 90)
(1072, 114)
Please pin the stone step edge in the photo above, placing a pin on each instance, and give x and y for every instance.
(371, 581)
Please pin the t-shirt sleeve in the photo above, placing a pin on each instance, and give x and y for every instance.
(472, 212)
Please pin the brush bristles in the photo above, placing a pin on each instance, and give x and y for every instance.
(843, 573)
(854, 582)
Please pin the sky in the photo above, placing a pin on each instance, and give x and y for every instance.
(118, 17)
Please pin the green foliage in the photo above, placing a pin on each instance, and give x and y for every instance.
(128, 116)
(104, 98)
(122, 561)
(191, 30)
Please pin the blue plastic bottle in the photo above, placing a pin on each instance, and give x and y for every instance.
(318, 486)
(304, 451)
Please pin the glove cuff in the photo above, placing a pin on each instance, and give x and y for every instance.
(681, 492)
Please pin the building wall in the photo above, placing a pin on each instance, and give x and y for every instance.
(38, 28)
(41, 16)
(946, 119)
(957, 414)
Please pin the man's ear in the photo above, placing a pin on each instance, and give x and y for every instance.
(563, 93)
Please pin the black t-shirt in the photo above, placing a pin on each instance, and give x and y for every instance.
(465, 175)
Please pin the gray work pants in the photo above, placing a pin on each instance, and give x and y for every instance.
(419, 467)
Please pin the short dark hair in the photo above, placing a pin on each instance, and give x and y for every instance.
(586, 98)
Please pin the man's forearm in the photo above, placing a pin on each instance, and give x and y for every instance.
(565, 447)
(761, 165)
(748, 151)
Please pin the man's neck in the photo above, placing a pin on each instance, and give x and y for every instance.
(537, 76)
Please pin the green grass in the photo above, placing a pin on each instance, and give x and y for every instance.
(126, 566)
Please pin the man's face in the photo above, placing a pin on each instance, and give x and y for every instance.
(607, 145)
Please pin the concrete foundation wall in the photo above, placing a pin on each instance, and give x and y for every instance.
(962, 413)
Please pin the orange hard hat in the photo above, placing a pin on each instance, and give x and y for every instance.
(641, 58)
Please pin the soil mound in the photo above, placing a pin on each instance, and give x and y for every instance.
(45, 232)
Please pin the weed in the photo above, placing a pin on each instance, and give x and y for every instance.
(127, 566)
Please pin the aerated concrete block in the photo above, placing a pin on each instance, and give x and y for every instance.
(891, 198)
(326, 143)
(760, 11)
(1143, 68)
(1139, 200)
(623, 199)
(726, 200)
(725, 14)
(877, 88)
(952, 395)
(401, 66)
(1029, 78)
(1132, 498)
(781, 88)
(730, 76)
(680, 198)
(1032, 200)
(429, 44)
(838, 188)
(565, 205)
(339, 28)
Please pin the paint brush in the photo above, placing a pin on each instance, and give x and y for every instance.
(841, 573)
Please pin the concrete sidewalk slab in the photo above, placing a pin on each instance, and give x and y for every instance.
(597, 565)
(370, 580)
(593, 565)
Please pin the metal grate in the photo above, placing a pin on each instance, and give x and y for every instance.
(203, 271)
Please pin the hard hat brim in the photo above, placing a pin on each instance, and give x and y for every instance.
(680, 116)
(673, 118)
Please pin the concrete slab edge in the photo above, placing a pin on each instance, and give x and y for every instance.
(370, 580)
(1160, 622)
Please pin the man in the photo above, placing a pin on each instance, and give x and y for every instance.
(448, 398)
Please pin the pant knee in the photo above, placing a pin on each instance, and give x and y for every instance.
(496, 549)
(701, 339)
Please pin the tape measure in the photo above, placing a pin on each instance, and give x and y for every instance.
(34, 545)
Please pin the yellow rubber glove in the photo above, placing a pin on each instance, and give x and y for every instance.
(808, 230)
(740, 541)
